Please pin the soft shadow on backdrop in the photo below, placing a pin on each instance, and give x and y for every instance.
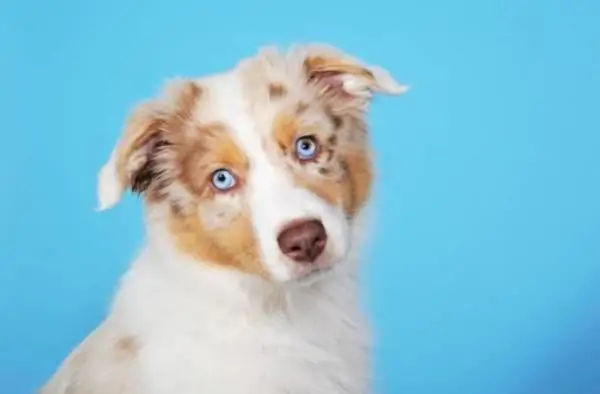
(484, 272)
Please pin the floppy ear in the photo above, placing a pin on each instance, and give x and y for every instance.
(131, 163)
(345, 79)
(143, 157)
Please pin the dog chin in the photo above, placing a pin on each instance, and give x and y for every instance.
(314, 276)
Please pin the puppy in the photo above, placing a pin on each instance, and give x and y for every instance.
(255, 182)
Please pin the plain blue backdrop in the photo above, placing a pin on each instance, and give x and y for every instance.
(484, 276)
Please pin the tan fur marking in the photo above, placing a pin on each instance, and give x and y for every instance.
(320, 64)
(232, 242)
(352, 190)
(358, 181)
(277, 90)
(127, 347)
(340, 174)
(231, 246)
(193, 153)
(285, 129)
(329, 190)
(210, 148)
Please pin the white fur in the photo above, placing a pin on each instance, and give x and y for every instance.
(110, 187)
(202, 329)
(193, 327)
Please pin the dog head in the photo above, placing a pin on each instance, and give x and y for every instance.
(262, 168)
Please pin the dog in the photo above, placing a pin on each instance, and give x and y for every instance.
(256, 183)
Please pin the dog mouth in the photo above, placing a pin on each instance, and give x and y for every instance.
(323, 268)
(314, 275)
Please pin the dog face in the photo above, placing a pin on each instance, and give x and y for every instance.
(262, 168)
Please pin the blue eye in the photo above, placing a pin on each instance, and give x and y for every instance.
(223, 179)
(306, 148)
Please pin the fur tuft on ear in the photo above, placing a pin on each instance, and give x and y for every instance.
(344, 77)
(132, 153)
(385, 83)
(110, 187)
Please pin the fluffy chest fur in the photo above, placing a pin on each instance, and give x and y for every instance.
(218, 332)
(193, 331)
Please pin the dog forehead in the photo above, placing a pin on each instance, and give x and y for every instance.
(227, 100)
(239, 100)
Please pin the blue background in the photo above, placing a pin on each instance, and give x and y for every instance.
(485, 270)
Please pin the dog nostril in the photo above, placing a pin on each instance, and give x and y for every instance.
(303, 241)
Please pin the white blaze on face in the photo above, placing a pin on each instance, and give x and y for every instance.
(272, 197)
(275, 201)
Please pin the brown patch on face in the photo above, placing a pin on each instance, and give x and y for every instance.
(232, 246)
(352, 188)
(341, 173)
(217, 228)
(330, 190)
(285, 131)
(276, 90)
(209, 149)
(171, 158)
(127, 347)
(285, 128)
(357, 181)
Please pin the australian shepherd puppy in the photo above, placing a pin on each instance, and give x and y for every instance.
(255, 183)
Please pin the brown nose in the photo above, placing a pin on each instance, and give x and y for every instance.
(303, 241)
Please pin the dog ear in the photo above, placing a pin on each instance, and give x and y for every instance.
(131, 161)
(346, 80)
(141, 156)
